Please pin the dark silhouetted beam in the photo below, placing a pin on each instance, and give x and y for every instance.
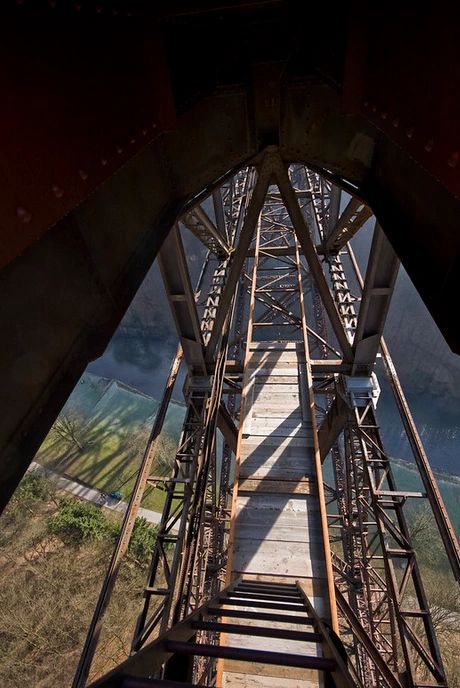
(176, 278)
(240, 255)
(308, 249)
(381, 273)
(332, 425)
(201, 225)
(227, 427)
(353, 217)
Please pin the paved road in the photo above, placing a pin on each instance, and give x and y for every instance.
(91, 494)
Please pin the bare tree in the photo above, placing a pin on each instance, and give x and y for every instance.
(70, 428)
(165, 454)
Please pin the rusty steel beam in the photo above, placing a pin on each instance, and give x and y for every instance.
(332, 425)
(382, 270)
(386, 674)
(129, 519)
(176, 278)
(65, 133)
(239, 255)
(434, 496)
(353, 217)
(227, 427)
(219, 212)
(201, 225)
(371, 519)
(303, 235)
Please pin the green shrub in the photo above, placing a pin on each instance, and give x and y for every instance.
(80, 521)
(143, 539)
(33, 486)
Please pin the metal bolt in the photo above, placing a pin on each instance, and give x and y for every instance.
(58, 192)
(23, 214)
(453, 159)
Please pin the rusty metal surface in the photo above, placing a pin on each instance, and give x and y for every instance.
(406, 82)
(81, 96)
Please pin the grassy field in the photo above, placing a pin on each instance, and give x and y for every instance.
(111, 421)
(101, 435)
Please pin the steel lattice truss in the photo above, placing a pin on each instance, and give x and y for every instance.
(301, 285)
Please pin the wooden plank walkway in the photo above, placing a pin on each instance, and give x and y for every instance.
(277, 534)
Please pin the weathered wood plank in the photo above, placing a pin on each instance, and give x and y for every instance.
(273, 472)
(268, 364)
(250, 513)
(279, 533)
(245, 680)
(273, 371)
(266, 485)
(264, 671)
(258, 357)
(275, 346)
(275, 389)
(266, 556)
(277, 644)
(288, 421)
(287, 451)
(251, 443)
(276, 408)
(278, 503)
(281, 379)
(260, 429)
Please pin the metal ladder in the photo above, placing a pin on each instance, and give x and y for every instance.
(167, 661)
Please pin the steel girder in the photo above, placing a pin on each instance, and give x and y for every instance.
(378, 572)
(379, 597)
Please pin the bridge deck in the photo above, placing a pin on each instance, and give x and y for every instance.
(277, 532)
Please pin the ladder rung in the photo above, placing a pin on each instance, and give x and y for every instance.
(247, 655)
(399, 494)
(136, 682)
(267, 584)
(262, 616)
(260, 604)
(266, 596)
(285, 634)
(266, 591)
(414, 612)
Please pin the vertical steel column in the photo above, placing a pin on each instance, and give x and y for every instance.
(379, 542)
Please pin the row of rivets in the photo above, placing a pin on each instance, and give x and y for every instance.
(429, 144)
(25, 215)
(79, 6)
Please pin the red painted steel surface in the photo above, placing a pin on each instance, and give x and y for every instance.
(79, 98)
(403, 73)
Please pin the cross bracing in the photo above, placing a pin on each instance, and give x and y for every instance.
(280, 357)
